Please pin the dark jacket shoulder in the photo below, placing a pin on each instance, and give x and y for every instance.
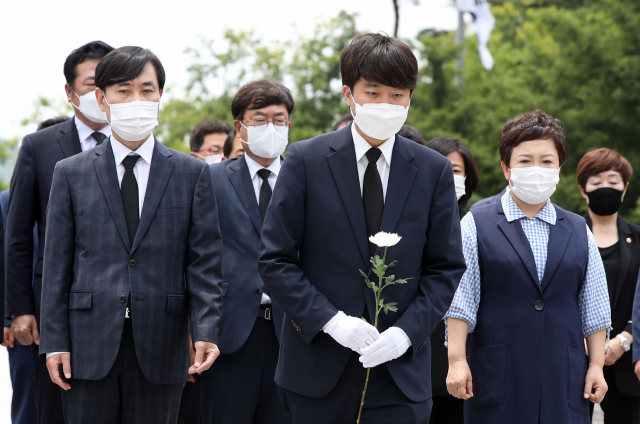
(48, 134)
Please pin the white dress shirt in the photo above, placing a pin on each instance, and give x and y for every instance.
(257, 182)
(384, 162)
(142, 167)
(140, 170)
(84, 133)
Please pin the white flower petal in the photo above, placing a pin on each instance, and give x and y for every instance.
(383, 239)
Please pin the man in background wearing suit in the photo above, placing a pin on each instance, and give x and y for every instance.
(134, 260)
(240, 387)
(30, 187)
(335, 191)
(23, 405)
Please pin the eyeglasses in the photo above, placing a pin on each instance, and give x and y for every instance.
(261, 124)
(209, 152)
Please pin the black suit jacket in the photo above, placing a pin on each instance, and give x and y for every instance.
(622, 304)
(28, 201)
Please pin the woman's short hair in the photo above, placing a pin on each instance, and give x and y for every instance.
(535, 125)
(602, 160)
(446, 145)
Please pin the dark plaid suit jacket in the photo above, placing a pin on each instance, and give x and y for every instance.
(173, 269)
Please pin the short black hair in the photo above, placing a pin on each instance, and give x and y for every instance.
(196, 139)
(345, 119)
(125, 64)
(446, 145)
(379, 58)
(259, 94)
(407, 131)
(52, 121)
(92, 50)
(228, 143)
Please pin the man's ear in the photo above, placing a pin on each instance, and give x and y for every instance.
(100, 99)
(67, 89)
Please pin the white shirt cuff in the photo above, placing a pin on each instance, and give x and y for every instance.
(55, 353)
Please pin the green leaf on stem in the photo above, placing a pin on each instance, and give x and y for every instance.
(366, 279)
(390, 307)
(402, 281)
(392, 264)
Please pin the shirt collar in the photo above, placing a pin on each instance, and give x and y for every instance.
(120, 151)
(513, 212)
(362, 146)
(254, 166)
(85, 132)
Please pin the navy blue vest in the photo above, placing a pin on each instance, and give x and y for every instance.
(527, 355)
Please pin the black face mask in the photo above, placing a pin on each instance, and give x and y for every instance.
(605, 201)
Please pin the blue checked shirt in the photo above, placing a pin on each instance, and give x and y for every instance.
(593, 299)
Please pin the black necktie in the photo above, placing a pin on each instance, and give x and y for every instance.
(265, 192)
(99, 137)
(129, 193)
(372, 197)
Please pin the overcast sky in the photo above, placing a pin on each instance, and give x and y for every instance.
(36, 36)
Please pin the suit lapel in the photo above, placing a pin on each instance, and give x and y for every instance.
(68, 139)
(559, 236)
(241, 182)
(161, 168)
(624, 234)
(342, 163)
(513, 232)
(401, 177)
(105, 166)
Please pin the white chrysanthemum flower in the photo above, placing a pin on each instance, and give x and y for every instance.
(383, 239)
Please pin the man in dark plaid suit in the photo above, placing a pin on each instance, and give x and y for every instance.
(134, 257)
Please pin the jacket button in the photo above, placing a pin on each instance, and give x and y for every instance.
(539, 305)
(132, 262)
(259, 290)
(122, 299)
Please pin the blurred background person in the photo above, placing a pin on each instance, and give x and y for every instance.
(23, 405)
(465, 172)
(533, 290)
(603, 177)
(28, 202)
(343, 122)
(240, 388)
(207, 140)
(446, 408)
(407, 131)
(233, 147)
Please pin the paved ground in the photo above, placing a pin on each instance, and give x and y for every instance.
(5, 392)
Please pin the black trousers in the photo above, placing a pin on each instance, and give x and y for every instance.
(124, 395)
(239, 388)
(46, 393)
(447, 410)
(617, 407)
(188, 413)
(384, 402)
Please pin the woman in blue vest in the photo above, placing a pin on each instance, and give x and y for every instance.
(534, 289)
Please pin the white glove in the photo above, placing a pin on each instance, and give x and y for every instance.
(351, 332)
(392, 344)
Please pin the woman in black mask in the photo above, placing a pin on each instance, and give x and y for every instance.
(603, 176)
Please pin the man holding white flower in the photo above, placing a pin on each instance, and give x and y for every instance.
(335, 191)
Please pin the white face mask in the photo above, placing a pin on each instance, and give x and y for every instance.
(269, 143)
(534, 184)
(133, 121)
(90, 108)
(379, 120)
(459, 180)
(211, 158)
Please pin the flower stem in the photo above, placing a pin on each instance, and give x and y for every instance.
(366, 382)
